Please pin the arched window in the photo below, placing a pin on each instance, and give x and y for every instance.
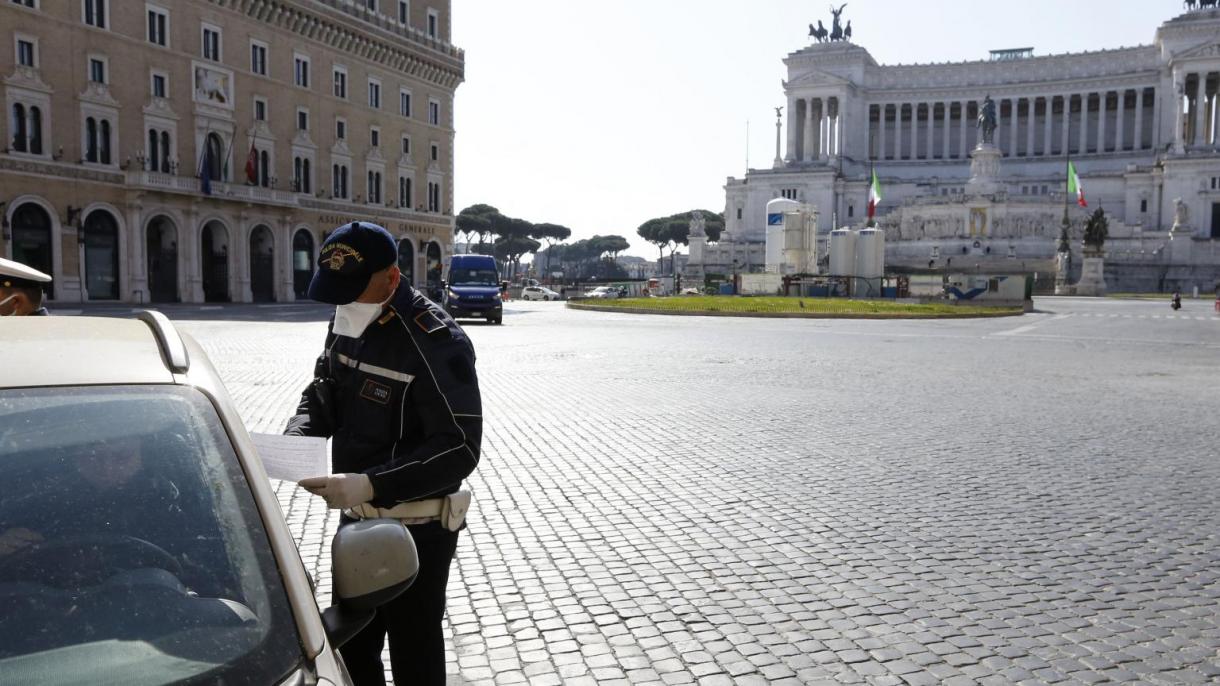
(264, 169)
(154, 151)
(90, 139)
(165, 151)
(35, 130)
(19, 130)
(104, 140)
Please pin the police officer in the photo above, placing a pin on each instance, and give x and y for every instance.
(396, 391)
(21, 289)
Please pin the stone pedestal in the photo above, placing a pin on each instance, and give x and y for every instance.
(984, 170)
(1092, 275)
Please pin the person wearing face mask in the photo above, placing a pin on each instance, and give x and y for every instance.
(396, 392)
(21, 290)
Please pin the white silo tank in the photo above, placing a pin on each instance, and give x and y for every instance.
(775, 232)
(870, 254)
(842, 252)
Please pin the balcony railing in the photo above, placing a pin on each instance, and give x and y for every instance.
(171, 183)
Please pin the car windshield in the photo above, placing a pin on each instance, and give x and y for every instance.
(131, 549)
(474, 277)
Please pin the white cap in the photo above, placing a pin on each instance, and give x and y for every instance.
(17, 275)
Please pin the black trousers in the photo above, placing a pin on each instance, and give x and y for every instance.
(413, 621)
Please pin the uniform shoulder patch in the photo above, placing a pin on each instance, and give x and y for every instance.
(429, 322)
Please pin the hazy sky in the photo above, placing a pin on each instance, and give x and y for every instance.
(601, 115)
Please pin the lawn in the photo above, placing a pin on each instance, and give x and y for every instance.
(812, 307)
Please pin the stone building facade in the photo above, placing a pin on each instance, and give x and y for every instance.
(200, 150)
(1140, 124)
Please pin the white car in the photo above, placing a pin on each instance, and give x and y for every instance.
(165, 556)
(538, 293)
(602, 293)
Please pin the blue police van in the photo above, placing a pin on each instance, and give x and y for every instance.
(472, 290)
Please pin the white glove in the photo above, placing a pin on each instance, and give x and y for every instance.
(341, 491)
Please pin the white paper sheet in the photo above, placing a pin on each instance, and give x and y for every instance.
(291, 458)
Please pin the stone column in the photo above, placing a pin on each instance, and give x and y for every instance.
(1179, 119)
(1103, 105)
(1084, 123)
(963, 124)
(793, 122)
(914, 130)
(1200, 137)
(1014, 127)
(882, 137)
(807, 155)
(1048, 125)
(1120, 121)
(931, 131)
(824, 129)
(898, 131)
(839, 126)
(1067, 124)
(1139, 119)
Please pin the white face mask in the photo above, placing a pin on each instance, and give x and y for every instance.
(4, 302)
(353, 318)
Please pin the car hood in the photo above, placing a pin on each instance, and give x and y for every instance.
(474, 290)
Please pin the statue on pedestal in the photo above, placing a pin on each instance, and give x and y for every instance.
(988, 120)
(1096, 231)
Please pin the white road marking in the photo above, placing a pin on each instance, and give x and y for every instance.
(1030, 327)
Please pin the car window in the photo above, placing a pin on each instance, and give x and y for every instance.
(130, 540)
(474, 277)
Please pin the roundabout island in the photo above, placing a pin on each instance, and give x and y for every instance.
(794, 308)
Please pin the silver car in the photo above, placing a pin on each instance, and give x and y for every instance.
(140, 540)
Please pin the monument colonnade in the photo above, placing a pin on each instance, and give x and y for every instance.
(1093, 121)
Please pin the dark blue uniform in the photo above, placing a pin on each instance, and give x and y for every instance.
(404, 408)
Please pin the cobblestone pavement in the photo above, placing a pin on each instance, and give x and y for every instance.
(714, 501)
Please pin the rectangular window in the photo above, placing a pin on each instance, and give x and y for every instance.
(404, 12)
(340, 82)
(97, 70)
(160, 85)
(434, 21)
(260, 109)
(404, 102)
(375, 137)
(25, 53)
(340, 129)
(436, 152)
(406, 145)
(24, 3)
(258, 58)
(302, 120)
(95, 13)
(1143, 206)
(158, 26)
(300, 70)
(211, 43)
(434, 113)
(374, 94)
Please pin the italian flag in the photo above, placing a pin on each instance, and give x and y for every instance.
(874, 196)
(1074, 187)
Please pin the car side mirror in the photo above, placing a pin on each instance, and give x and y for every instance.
(374, 561)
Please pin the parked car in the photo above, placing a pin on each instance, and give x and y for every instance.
(473, 289)
(602, 293)
(538, 293)
(140, 539)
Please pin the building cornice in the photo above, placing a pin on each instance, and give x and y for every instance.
(398, 49)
